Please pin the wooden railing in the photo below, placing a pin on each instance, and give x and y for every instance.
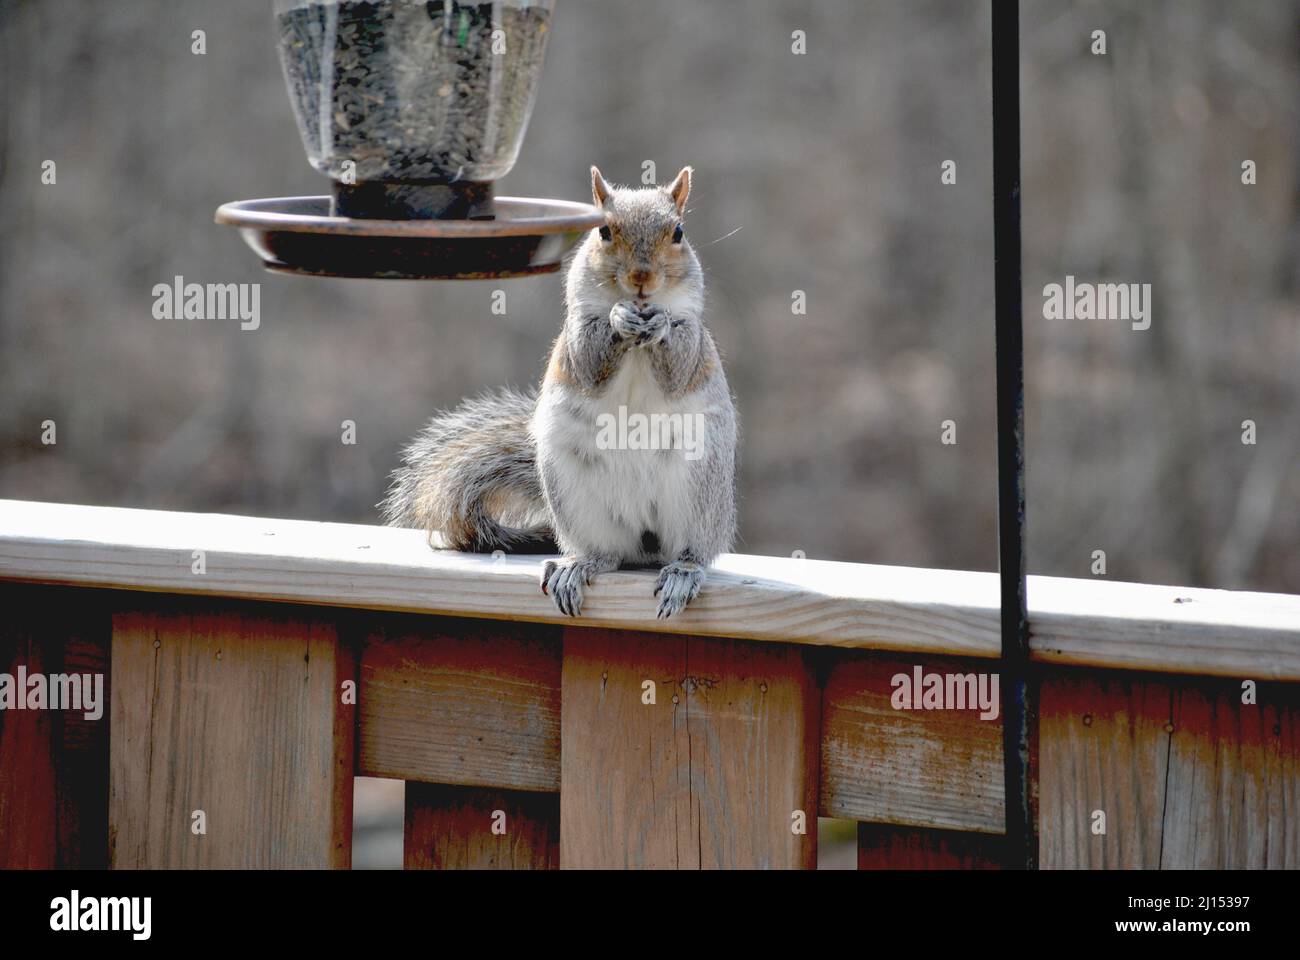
(253, 667)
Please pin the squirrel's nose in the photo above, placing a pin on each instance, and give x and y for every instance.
(638, 278)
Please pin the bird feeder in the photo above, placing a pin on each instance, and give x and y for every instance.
(413, 109)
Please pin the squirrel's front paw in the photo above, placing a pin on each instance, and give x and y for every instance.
(655, 321)
(565, 579)
(626, 319)
(679, 583)
(648, 326)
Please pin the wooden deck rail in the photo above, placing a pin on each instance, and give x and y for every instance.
(253, 667)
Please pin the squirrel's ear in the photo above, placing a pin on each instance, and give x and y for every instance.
(600, 190)
(680, 189)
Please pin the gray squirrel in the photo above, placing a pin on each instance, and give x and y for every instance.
(515, 471)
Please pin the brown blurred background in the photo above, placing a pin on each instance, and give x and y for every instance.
(822, 172)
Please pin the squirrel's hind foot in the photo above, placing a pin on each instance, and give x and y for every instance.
(679, 583)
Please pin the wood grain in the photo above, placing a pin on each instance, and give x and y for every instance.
(706, 777)
(910, 610)
(1103, 746)
(53, 763)
(234, 710)
(461, 702)
(451, 828)
(1181, 630)
(1233, 795)
(925, 768)
(886, 847)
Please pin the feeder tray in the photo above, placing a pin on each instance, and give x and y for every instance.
(299, 235)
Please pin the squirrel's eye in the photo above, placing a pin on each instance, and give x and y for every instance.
(677, 234)
(605, 234)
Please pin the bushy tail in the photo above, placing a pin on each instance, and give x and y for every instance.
(471, 475)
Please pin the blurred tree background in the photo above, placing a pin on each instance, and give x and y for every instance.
(822, 172)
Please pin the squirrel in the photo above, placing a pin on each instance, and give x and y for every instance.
(518, 471)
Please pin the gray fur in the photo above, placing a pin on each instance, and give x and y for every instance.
(511, 469)
(469, 471)
(610, 323)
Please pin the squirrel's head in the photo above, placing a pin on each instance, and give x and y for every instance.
(642, 248)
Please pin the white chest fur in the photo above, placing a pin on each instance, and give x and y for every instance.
(620, 465)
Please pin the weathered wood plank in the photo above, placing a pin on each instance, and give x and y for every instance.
(916, 611)
(1103, 749)
(925, 768)
(886, 847)
(1181, 630)
(710, 775)
(467, 828)
(235, 711)
(54, 763)
(1233, 795)
(461, 702)
(28, 745)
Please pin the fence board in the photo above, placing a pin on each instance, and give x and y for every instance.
(886, 847)
(53, 763)
(1234, 778)
(1186, 775)
(710, 775)
(1103, 747)
(1093, 622)
(461, 701)
(451, 828)
(925, 768)
(235, 711)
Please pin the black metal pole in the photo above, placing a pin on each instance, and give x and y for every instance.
(1018, 694)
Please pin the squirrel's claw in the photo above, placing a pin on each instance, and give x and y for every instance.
(564, 580)
(642, 327)
(678, 584)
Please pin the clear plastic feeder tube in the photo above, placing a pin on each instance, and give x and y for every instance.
(412, 92)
